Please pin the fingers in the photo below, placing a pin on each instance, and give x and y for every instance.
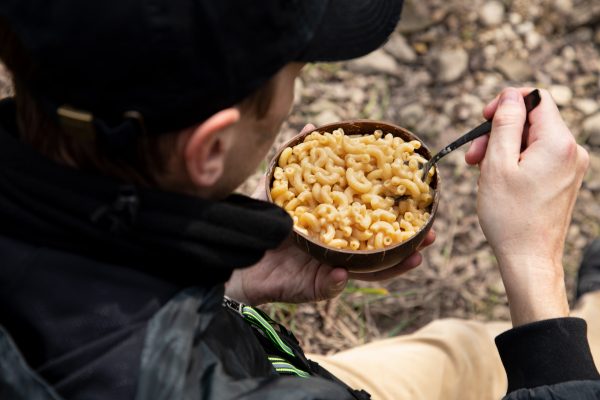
(544, 117)
(478, 147)
(410, 263)
(477, 150)
(333, 284)
(507, 128)
(308, 128)
(490, 109)
(429, 239)
(544, 121)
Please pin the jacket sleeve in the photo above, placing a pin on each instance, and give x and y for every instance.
(580, 390)
(549, 359)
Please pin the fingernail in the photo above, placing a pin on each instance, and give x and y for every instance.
(509, 96)
(340, 284)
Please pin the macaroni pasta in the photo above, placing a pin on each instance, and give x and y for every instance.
(354, 192)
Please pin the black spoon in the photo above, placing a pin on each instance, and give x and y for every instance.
(532, 100)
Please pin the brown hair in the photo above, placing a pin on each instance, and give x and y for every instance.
(151, 154)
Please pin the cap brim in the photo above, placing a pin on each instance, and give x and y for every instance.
(352, 28)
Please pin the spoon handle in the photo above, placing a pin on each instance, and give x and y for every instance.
(531, 101)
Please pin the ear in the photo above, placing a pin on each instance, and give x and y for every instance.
(206, 149)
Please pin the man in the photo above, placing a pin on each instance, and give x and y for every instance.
(132, 123)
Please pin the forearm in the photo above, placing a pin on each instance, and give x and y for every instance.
(545, 347)
(535, 289)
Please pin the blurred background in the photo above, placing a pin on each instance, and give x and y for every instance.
(445, 61)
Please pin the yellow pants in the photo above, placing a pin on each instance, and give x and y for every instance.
(447, 359)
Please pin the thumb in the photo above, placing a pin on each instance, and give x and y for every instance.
(507, 127)
(332, 284)
(308, 128)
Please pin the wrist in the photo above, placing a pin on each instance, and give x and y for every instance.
(535, 289)
(234, 288)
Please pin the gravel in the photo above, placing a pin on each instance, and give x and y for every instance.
(450, 64)
(377, 62)
(586, 106)
(591, 129)
(561, 94)
(492, 13)
(514, 69)
(399, 48)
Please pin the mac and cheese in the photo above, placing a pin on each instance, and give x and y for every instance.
(354, 192)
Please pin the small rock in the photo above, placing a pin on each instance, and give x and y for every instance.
(357, 95)
(492, 13)
(569, 53)
(525, 28)
(592, 178)
(451, 64)
(326, 117)
(464, 107)
(398, 47)
(514, 69)
(515, 18)
(586, 106)
(421, 48)
(584, 14)
(411, 115)
(505, 33)
(431, 127)
(376, 62)
(591, 128)
(564, 6)
(321, 104)
(298, 88)
(416, 16)
(498, 287)
(473, 104)
(562, 95)
(490, 51)
(419, 78)
(533, 40)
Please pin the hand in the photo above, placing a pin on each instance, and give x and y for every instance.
(529, 181)
(290, 275)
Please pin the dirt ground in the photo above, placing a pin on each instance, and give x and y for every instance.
(444, 62)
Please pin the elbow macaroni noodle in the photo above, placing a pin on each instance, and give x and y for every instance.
(342, 190)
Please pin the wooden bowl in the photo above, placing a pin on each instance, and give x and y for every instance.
(362, 260)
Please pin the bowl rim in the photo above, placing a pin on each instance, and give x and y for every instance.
(436, 197)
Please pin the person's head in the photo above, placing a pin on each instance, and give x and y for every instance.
(186, 95)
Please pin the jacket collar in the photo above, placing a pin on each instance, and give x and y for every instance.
(180, 238)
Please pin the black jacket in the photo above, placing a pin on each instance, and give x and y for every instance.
(114, 292)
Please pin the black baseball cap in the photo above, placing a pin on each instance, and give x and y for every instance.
(132, 67)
